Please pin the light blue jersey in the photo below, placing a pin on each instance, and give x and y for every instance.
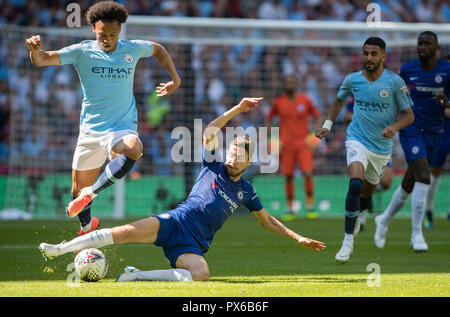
(107, 83)
(375, 107)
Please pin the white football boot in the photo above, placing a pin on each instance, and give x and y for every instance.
(129, 275)
(50, 251)
(418, 243)
(380, 233)
(344, 253)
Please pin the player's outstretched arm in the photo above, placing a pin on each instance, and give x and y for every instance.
(39, 57)
(164, 59)
(406, 118)
(272, 224)
(209, 135)
(335, 109)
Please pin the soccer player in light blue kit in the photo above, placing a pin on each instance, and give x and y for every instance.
(379, 95)
(186, 233)
(428, 78)
(108, 123)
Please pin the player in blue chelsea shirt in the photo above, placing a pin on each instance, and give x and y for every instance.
(186, 232)
(108, 122)
(428, 78)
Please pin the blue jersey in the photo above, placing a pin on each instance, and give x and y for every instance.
(375, 107)
(213, 198)
(422, 85)
(107, 82)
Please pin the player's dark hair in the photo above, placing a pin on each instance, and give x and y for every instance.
(429, 33)
(373, 40)
(106, 11)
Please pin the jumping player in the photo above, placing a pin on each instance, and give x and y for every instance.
(294, 110)
(186, 232)
(379, 95)
(108, 122)
(428, 79)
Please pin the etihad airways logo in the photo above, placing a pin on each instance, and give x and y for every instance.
(112, 72)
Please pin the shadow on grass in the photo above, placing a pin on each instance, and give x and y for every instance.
(256, 280)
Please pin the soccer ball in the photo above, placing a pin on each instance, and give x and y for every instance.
(91, 265)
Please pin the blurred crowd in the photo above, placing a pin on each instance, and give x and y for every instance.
(53, 12)
(39, 107)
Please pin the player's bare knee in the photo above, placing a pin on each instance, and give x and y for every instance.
(134, 152)
(200, 274)
(122, 234)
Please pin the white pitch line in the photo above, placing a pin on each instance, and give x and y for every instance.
(234, 244)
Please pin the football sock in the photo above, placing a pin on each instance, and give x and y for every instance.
(115, 170)
(85, 217)
(309, 190)
(95, 239)
(352, 204)
(432, 191)
(397, 202)
(364, 203)
(418, 200)
(164, 275)
(290, 190)
(379, 188)
(348, 238)
(363, 219)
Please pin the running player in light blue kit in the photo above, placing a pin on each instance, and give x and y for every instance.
(379, 95)
(108, 123)
(428, 79)
(186, 233)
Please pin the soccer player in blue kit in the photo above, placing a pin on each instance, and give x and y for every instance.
(108, 122)
(379, 95)
(437, 168)
(186, 232)
(428, 79)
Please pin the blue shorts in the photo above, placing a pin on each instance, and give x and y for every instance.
(439, 156)
(175, 238)
(417, 143)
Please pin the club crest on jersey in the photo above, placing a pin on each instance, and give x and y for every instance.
(438, 79)
(415, 149)
(300, 108)
(384, 92)
(240, 195)
(128, 58)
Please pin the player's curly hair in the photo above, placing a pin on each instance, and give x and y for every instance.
(106, 11)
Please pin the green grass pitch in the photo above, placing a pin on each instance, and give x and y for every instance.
(245, 261)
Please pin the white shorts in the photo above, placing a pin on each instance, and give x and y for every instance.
(92, 150)
(373, 163)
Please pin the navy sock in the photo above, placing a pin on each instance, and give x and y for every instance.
(85, 215)
(365, 203)
(352, 204)
(115, 170)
